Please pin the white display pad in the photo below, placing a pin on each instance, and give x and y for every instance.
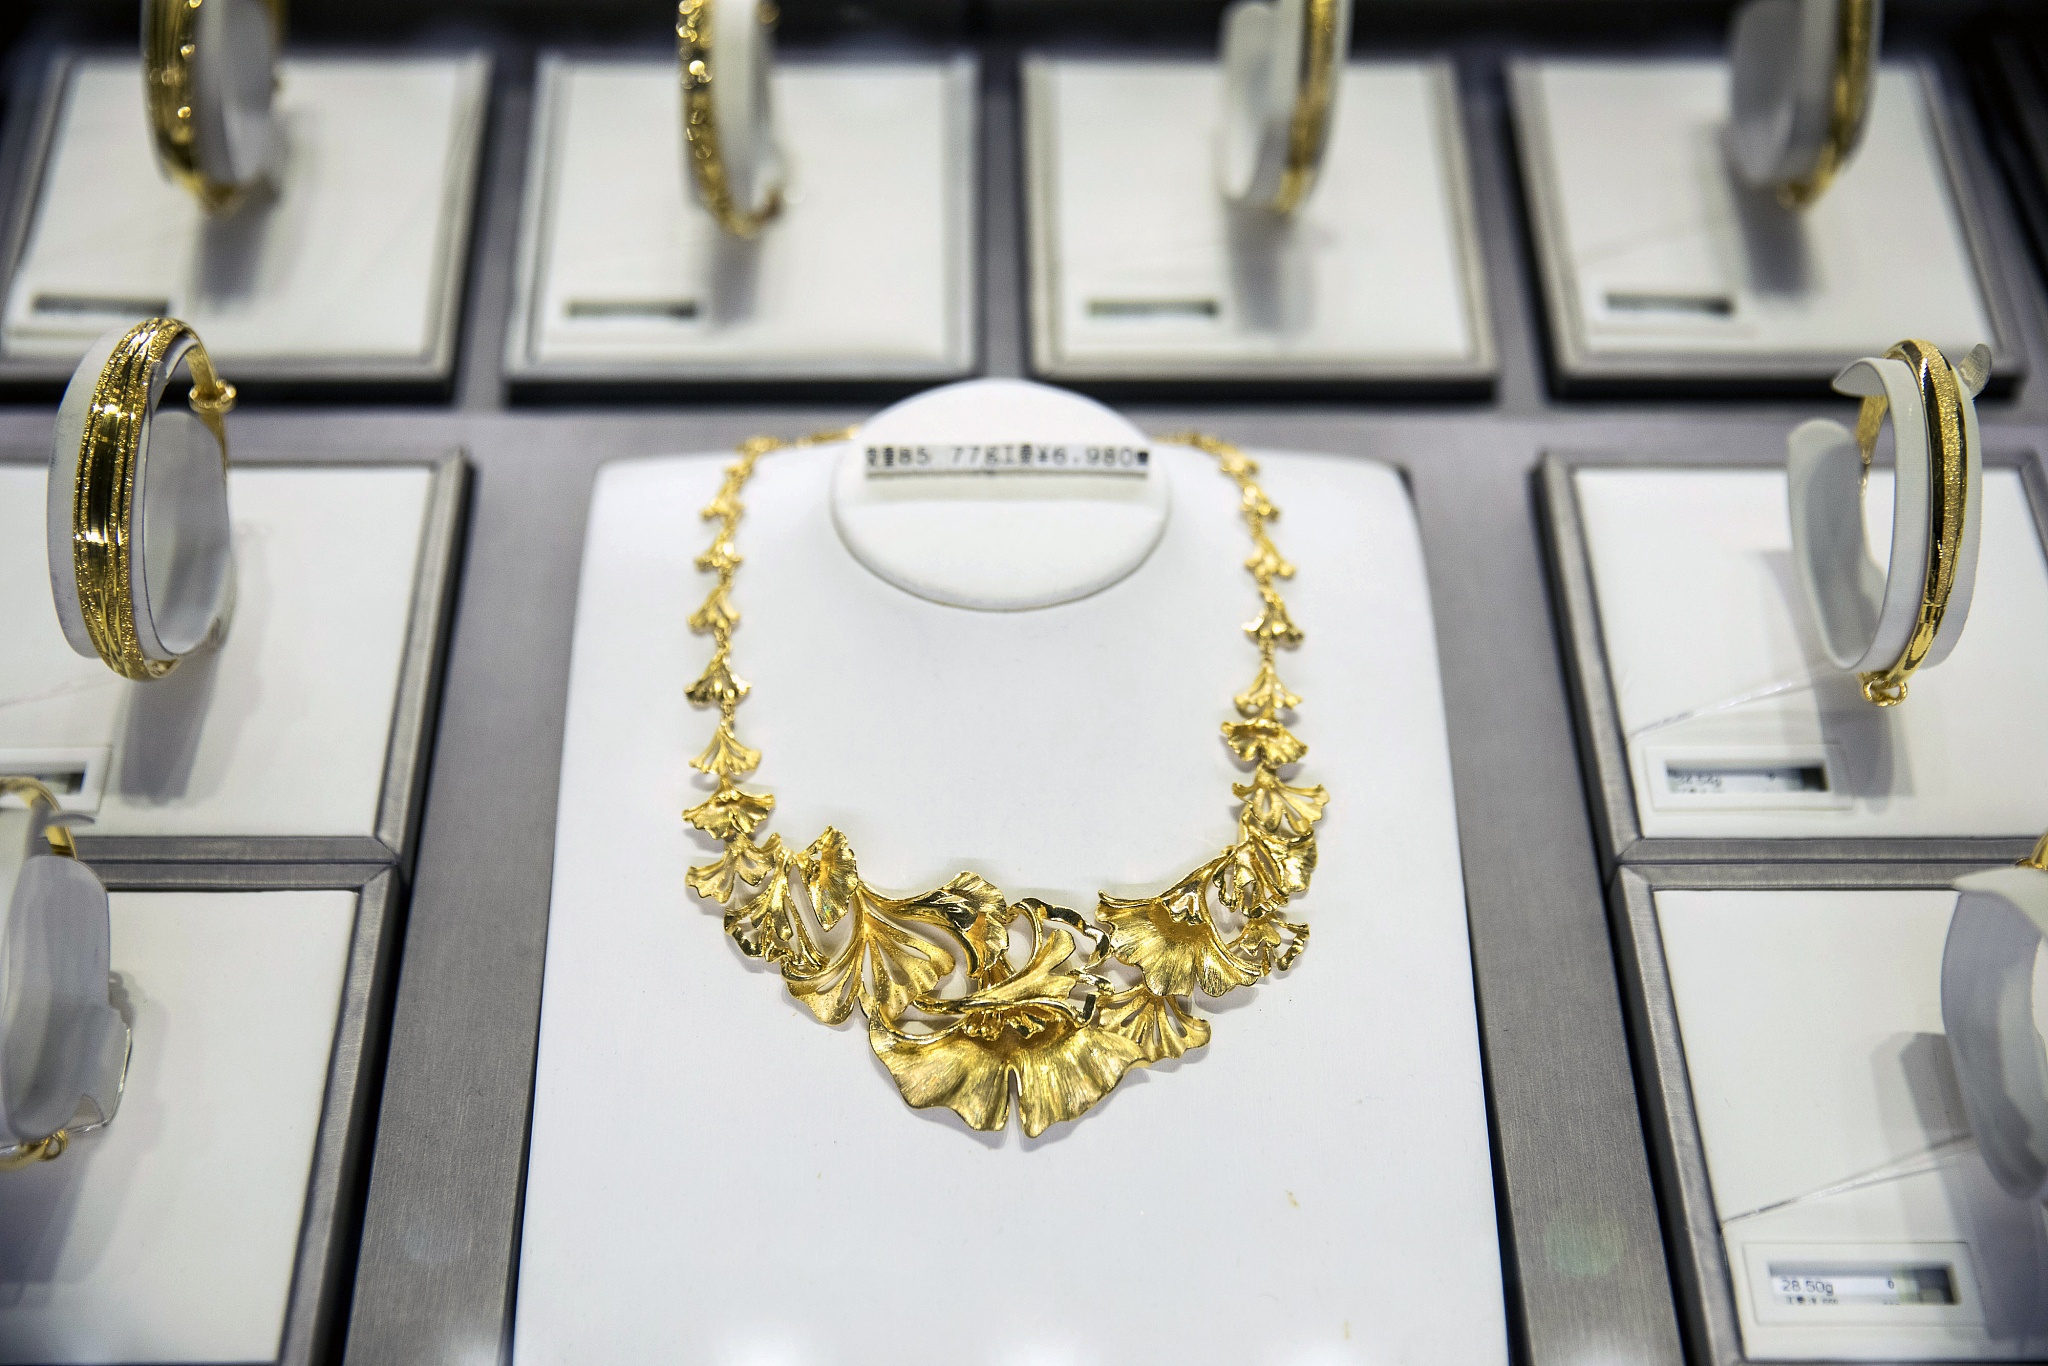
(1834, 1134)
(171, 1234)
(1665, 253)
(1315, 1185)
(356, 262)
(868, 271)
(1140, 268)
(1700, 607)
(284, 730)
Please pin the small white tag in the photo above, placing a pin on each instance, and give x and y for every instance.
(1006, 457)
(1744, 777)
(76, 777)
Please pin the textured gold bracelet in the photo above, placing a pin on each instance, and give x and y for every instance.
(700, 123)
(1848, 101)
(1308, 129)
(1947, 503)
(103, 498)
(169, 44)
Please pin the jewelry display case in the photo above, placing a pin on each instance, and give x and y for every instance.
(1823, 1195)
(1713, 727)
(305, 737)
(311, 287)
(214, 1219)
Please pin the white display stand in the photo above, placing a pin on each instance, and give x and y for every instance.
(285, 731)
(353, 272)
(867, 273)
(1835, 1139)
(764, 1191)
(1660, 265)
(171, 1235)
(1140, 270)
(1699, 608)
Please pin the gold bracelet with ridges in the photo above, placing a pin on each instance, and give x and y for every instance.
(103, 496)
(34, 792)
(1848, 101)
(168, 47)
(1053, 1021)
(700, 123)
(1308, 130)
(1947, 504)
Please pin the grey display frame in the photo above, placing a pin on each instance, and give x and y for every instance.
(1604, 749)
(1474, 376)
(323, 1264)
(1579, 371)
(415, 709)
(526, 372)
(28, 142)
(1699, 1256)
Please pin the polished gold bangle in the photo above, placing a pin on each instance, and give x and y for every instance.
(1947, 503)
(27, 1154)
(103, 496)
(1308, 129)
(700, 124)
(34, 790)
(169, 43)
(1848, 102)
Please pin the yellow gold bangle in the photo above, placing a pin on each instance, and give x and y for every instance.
(1308, 129)
(103, 496)
(169, 44)
(700, 124)
(1848, 101)
(1947, 503)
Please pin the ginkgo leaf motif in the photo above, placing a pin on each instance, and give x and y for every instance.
(768, 925)
(1156, 1024)
(831, 876)
(1060, 1066)
(1172, 941)
(1267, 694)
(1261, 939)
(718, 686)
(716, 616)
(1273, 806)
(1263, 741)
(1273, 625)
(726, 757)
(882, 965)
(722, 558)
(743, 861)
(1261, 872)
(1266, 561)
(975, 912)
(730, 812)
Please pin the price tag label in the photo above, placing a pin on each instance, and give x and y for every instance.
(1006, 458)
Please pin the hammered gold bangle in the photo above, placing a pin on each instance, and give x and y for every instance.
(103, 496)
(1308, 129)
(1848, 101)
(1947, 503)
(169, 43)
(700, 124)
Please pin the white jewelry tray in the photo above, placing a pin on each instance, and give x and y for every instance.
(1660, 270)
(1813, 1141)
(1054, 751)
(302, 739)
(1680, 600)
(353, 276)
(1139, 272)
(208, 1222)
(868, 273)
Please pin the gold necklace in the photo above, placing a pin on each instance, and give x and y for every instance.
(1066, 1035)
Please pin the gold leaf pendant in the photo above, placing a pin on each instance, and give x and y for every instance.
(973, 1001)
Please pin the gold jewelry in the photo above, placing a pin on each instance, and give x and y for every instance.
(34, 791)
(1067, 1036)
(2039, 858)
(1848, 101)
(1947, 503)
(103, 496)
(169, 43)
(1308, 128)
(700, 123)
